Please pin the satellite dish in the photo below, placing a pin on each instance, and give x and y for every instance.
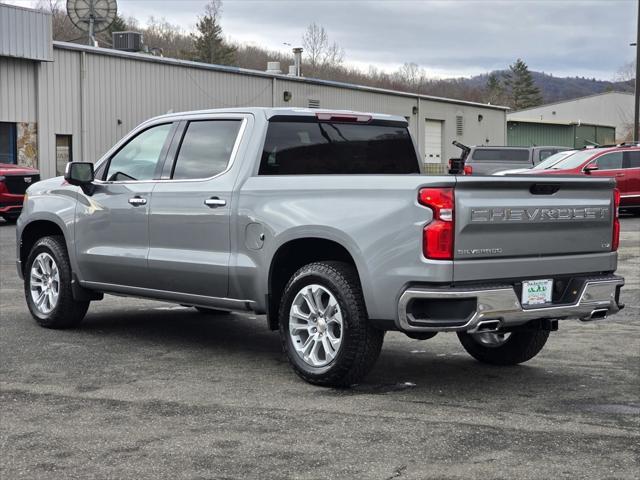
(92, 16)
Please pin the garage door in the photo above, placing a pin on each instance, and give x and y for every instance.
(433, 141)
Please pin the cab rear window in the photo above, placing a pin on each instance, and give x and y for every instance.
(501, 155)
(296, 147)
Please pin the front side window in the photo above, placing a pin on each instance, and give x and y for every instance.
(138, 159)
(610, 161)
(206, 149)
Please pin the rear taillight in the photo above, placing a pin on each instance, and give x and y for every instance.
(468, 170)
(437, 236)
(615, 238)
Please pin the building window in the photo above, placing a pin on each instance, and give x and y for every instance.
(63, 153)
(313, 103)
(8, 153)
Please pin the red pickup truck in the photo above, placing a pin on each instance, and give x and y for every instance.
(14, 181)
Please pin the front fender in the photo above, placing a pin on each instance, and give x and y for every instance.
(56, 205)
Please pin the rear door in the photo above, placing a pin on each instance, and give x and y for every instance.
(630, 191)
(189, 223)
(530, 226)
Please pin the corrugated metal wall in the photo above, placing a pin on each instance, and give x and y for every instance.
(521, 133)
(527, 134)
(25, 33)
(17, 90)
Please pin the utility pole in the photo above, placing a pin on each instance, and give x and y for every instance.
(636, 116)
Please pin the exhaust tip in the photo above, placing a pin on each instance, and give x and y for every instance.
(488, 326)
(597, 314)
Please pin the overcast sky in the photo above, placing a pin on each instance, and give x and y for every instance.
(447, 38)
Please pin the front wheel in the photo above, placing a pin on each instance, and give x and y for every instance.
(324, 327)
(47, 285)
(508, 348)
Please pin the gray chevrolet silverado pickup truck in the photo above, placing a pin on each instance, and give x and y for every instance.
(322, 221)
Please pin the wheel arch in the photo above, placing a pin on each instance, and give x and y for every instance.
(294, 254)
(32, 232)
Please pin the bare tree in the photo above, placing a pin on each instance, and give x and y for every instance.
(412, 75)
(321, 54)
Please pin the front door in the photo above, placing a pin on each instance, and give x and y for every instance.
(189, 222)
(112, 229)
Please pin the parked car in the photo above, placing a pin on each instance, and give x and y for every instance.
(619, 162)
(322, 221)
(543, 165)
(486, 160)
(14, 181)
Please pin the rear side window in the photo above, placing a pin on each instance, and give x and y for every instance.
(325, 148)
(205, 149)
(501, 155)
(632, 159)
(544, 154)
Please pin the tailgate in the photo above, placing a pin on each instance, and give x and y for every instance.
(508, 227)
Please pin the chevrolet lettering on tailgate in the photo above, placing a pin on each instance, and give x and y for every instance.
(538, 214)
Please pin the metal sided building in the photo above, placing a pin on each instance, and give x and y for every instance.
(614, 109)
(565, 134)
(62, 101)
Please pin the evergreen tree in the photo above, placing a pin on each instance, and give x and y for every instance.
(494, 90)
(209, 45)
(522, 90)
(118, 25)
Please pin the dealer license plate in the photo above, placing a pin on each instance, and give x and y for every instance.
(536, 292)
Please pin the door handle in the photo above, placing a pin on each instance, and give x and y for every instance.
(137, 201)
(215, 202)
(619, 174)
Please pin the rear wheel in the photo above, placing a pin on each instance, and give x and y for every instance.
(504, 348)
(324, 327)
(10, 218)
(47, 285)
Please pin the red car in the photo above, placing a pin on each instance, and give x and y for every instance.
(14, 181)
(621, 162)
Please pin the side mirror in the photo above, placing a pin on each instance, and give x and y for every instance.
(590, 168)
(80, 174)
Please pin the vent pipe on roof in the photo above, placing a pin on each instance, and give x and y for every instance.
(297, 61)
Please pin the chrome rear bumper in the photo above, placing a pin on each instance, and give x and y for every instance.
(598, 298)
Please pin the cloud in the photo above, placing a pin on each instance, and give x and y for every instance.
(447, 38)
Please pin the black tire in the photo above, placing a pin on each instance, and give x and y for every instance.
(67, 312)
(10, 220)
(361, 342)
(211, 311)
(520, 347)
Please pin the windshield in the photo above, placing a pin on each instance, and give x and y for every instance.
(575, 160)
(553, 159)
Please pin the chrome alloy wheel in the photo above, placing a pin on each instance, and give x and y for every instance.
(44, 283)
(315, 325)
(490, 339)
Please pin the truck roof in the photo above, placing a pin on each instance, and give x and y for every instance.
(269, 112)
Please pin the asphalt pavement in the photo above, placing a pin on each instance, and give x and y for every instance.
(149, 390)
